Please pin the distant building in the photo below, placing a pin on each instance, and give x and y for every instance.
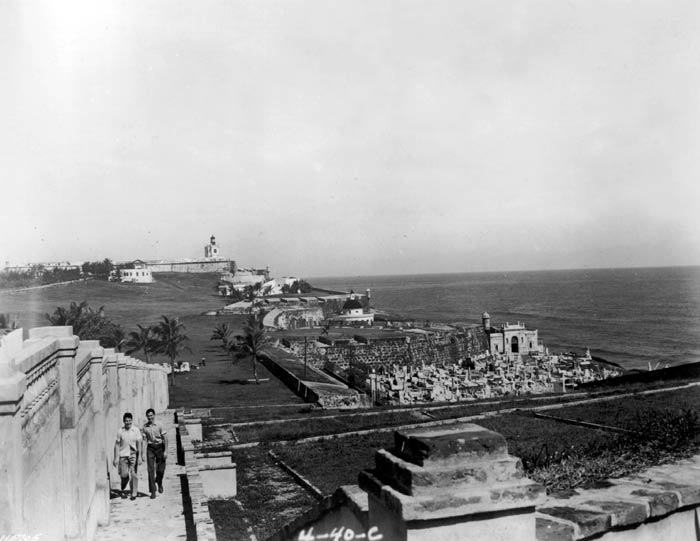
(211, 262)
(211, 250)
(241, 278)
(511, 340)
(40, 268)
(136, 276)
(353, 314)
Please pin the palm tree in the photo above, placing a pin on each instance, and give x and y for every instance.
(87, 323)
(223, 332)
(170, 340)
(142, 340)
(253, 343)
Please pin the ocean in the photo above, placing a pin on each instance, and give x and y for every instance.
(633, 317)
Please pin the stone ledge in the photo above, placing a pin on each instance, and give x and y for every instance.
(627, 503)
(451, 445)
(204, 525)
(415, 480)
(441, 503)
(34, 352)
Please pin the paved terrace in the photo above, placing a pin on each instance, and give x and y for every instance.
(162, 519)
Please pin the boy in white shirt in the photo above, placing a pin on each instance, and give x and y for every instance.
(127, 455)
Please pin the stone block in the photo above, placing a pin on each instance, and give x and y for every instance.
(684, 482)
(452, 483)
(11, 344)
(223, 458)
(443, 446)
(588, 522)
(414, 480)
(219, 481)
(51, 332)
(622, 513)
(194, 428)
(12, 388)
(548, 529)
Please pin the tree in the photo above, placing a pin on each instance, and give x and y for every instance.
(7, 321)
(170, 340)
(296, 287)
(99, 269)
(120, 338)
(223, 332)
(88, 324)
(253, 343)
(142, 340)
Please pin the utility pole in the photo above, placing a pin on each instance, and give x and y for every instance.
(306, 341)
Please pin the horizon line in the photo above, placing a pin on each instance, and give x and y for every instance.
(562, 269)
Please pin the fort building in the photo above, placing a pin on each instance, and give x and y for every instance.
(211, 262)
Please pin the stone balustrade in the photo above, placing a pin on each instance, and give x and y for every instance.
(61, 403)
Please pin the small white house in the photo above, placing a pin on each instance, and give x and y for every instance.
(136, 276)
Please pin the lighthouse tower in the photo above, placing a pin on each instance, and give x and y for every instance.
(211, 250)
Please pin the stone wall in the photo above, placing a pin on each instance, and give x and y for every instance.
(61, 403)
(325, 395)
(194, 266)
(406, 348)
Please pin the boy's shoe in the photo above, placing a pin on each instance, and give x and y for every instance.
(160, 488)
(153, 495)
(133, 498)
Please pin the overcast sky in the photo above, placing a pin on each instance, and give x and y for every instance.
(352, 137)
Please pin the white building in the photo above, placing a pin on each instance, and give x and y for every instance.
(136, 276)
(353, 313)
(211, 250)
(511, 340)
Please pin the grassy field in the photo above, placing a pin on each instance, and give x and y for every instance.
(184, 295)
(176, 294)
(625, 412)
(334, 462)
(337, 461)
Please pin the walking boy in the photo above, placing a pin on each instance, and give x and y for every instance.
(127, 451)
(157, 445)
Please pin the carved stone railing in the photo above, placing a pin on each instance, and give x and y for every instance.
(61, 402)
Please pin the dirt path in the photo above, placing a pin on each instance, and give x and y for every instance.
(161, 519)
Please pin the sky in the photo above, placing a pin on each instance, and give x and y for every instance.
(363, 137)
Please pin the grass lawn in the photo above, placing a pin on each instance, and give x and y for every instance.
(539, 440)
(183, 295)
(172, 294)
(334, 462)
(270, 499)
(627, 411)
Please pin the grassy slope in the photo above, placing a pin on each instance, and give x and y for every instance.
(183, 295)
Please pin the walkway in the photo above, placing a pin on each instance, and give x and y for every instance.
(161, 519)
